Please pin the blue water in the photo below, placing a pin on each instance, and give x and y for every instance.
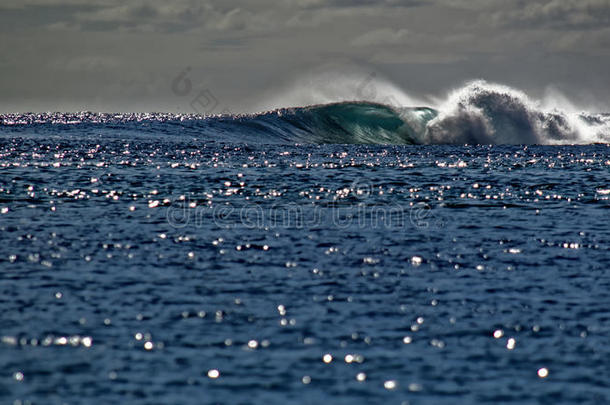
(175, 260)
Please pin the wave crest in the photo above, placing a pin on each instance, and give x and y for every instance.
(483, 113)
(478, 113)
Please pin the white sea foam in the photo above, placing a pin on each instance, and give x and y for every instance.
(488, 113)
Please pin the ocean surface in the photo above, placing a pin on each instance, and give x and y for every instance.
(349, 253)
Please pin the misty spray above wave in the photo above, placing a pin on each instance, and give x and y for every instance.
(478, 113)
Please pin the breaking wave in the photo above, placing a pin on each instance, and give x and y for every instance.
(483, 113)
(478, 113)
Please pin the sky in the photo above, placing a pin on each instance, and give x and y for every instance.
(220, 56)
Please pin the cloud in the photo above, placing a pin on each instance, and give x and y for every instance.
(592, 42)
(20, 4)
(355, 3)
(415, 58)
(559, 14)
(197, 15)
(539, 14)
(383, 36)
(85, 63)
(139, 15)
(233, 15)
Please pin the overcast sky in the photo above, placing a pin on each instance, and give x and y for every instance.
(245, 55)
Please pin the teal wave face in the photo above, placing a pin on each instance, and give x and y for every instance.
(352, 123)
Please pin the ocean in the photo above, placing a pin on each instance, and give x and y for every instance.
(348, 253)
